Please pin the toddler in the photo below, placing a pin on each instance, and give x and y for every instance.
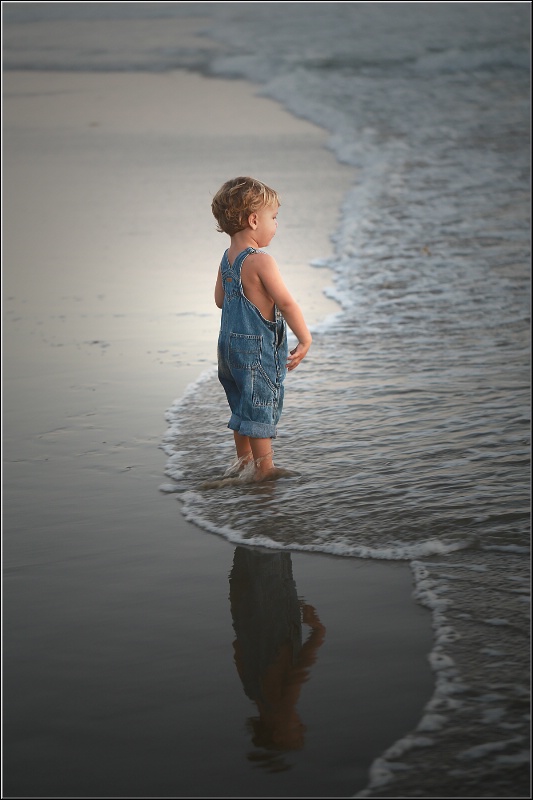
(255, 303)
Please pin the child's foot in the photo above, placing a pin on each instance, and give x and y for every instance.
(274, 473)
(242, 478)
(238, 466)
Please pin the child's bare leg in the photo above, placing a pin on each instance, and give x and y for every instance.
(264, 468)
(243, 447)
(244, 455)
(263, 457)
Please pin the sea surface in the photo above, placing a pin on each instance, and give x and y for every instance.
(409, 423)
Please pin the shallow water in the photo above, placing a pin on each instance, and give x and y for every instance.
(409, 420)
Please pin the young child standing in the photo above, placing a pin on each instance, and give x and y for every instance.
(255, 303)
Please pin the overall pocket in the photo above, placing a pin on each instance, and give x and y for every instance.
(264, 392)
(244, 350)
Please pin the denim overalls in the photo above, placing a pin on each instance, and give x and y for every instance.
(252, 357)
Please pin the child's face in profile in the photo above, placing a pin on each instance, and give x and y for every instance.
(267, 224)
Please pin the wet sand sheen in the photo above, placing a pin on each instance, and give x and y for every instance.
(123, 647)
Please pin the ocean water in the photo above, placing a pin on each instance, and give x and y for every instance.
(408, 424)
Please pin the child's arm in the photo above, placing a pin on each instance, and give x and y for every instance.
(219, 290)
(271, 279)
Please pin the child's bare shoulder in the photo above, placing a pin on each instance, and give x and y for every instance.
(262, 262)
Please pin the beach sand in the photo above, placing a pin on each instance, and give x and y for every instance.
(119, 671)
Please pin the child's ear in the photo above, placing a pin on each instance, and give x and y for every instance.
(252, 221)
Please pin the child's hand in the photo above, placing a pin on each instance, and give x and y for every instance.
(296, 355)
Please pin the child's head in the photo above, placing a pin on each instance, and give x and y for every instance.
(237, 199)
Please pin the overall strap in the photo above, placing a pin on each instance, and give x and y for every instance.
(237, 264)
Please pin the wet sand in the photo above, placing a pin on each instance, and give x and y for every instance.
(119, 619)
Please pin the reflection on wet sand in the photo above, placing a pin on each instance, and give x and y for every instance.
(271, 660)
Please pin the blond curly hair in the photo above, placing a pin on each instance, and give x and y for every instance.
(237, 199)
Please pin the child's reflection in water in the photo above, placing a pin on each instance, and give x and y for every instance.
(271, 660)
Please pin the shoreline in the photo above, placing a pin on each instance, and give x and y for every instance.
(107, 586)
